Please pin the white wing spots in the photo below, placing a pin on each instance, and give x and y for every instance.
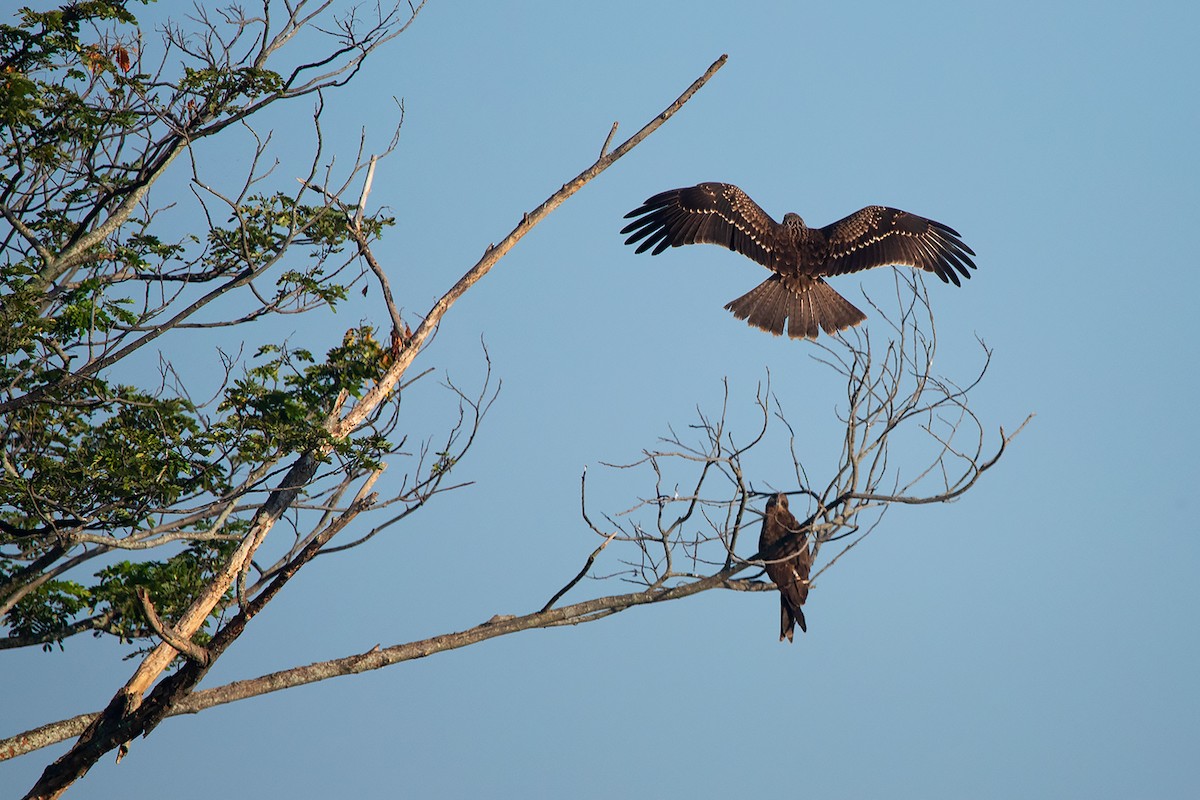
(737, 220)
(722, 214)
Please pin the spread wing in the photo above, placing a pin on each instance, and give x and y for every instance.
(715, 213)
(877, 236)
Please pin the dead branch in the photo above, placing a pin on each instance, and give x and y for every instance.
(167, 633)
(875, 416)
(494, 253)
(129, 714)
(895, 402)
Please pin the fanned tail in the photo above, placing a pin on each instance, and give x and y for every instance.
(808, 305)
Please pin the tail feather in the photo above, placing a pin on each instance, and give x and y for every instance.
(787, 624)
(834, 312)
(763, 305)
(789, 617)
(804, 317)
(808, 305)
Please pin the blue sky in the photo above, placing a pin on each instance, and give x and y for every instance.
(1039, 638)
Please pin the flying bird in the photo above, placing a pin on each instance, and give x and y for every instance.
(800, 256)
(789, 567)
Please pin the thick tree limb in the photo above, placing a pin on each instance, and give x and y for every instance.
(376, 658)
(129, 715)
(167, 633)
(495, 252)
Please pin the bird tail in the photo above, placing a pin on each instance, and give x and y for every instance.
(809, 305)
(789, 617)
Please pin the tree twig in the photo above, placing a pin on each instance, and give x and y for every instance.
(129, 714)
(167, 633)
(494, 253)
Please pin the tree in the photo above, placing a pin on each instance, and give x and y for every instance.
(98, 274)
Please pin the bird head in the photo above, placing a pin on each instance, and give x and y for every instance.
(794, 222)
(777, 501)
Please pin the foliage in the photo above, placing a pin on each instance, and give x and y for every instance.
(101, 469)
(95, 277)
(46, 613)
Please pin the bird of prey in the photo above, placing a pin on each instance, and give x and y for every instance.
(800, 256)
(787, 566)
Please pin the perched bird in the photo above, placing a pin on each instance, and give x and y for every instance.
(789, 567)
(800, 256)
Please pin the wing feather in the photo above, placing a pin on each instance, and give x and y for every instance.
(791, 574)
(877, 236)
(711, 213)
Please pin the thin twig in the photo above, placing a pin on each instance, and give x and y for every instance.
(591, 559)
(608, 139)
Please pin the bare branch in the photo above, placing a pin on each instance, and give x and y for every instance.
(168, 634)
(130, 713)
(878, 410)
(608, 139)
(587, 566)
(494, 253)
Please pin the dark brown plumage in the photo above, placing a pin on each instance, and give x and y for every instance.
(800, 256)
(787, 567)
